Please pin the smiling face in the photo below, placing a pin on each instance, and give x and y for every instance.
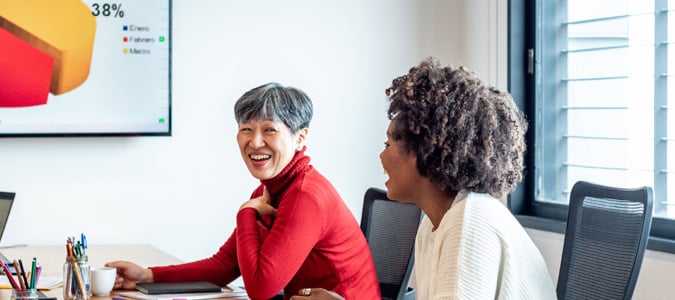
(401, 167)
(268, 146)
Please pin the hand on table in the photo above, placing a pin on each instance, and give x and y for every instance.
(128, 274)
(316, 294)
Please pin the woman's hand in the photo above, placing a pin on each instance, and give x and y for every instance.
(261, 204)
(128, 274)
(316, 294)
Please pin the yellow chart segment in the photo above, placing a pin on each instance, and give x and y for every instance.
(64, 30)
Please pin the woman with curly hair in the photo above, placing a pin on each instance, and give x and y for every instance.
(454, 147)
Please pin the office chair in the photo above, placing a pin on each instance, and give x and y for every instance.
(605, 240)
(390, 228)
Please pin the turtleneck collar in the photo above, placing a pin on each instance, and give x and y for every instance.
(298, 164)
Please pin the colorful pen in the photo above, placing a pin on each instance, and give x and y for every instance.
(84, 242)
(9, 276)
(33, 274)
(18, 275)
(38, 271)
(23, 272)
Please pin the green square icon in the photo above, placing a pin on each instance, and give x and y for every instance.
(161, 38)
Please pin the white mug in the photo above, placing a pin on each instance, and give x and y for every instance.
(102, 280)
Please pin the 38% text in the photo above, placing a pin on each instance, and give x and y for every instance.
(107, 10)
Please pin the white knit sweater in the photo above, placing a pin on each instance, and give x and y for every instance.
(479, 251)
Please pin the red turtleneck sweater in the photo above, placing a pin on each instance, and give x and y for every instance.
(313, 241)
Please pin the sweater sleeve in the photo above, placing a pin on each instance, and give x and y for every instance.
(268, 264)
(220, 269)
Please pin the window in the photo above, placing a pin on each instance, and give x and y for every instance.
(596, 79)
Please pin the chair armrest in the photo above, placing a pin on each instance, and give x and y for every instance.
(409, 294)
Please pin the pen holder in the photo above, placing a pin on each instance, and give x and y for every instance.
(76, 278)
(29, 294)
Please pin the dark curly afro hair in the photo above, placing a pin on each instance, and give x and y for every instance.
(466, 134)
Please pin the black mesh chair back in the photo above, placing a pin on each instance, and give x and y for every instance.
(390, 228)
(605, 240)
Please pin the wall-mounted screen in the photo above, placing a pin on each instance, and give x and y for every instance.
(85, 68)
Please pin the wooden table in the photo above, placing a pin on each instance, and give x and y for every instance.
(52, 258)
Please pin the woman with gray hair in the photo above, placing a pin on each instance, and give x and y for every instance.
(295, 231)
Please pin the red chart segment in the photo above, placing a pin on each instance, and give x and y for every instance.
(25, 72)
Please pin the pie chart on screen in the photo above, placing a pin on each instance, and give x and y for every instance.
(46, 48)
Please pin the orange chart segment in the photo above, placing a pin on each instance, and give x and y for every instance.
(64, 30)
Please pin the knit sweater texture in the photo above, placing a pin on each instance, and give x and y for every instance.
(478, 251)
(313, 241)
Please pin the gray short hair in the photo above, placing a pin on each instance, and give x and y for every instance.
(272, 101)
